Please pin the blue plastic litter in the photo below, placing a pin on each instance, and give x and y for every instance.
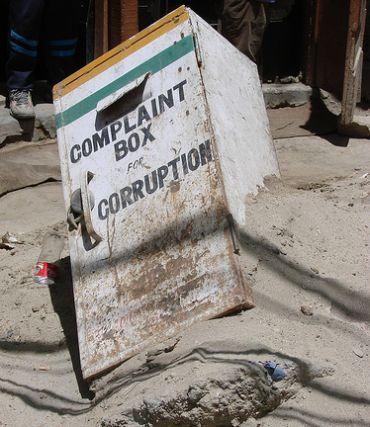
(276, 373)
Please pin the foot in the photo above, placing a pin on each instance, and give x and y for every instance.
(21, 106)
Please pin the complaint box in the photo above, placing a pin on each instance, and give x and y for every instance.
(160, 140)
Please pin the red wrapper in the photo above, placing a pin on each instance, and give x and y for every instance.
(45, 273)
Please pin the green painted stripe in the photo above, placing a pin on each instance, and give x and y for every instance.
(152, 65)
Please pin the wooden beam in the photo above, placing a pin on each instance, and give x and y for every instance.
(311, 9)
(123, 20)
(330, 45)
(101, 36)
(354, 61)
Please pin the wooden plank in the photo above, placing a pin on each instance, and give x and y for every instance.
(123, 20)
(354, 60)
(310, 39)
(330, 39)
(101, 41)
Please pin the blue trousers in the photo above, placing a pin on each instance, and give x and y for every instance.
(48, 24)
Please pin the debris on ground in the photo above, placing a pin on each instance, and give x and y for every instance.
(307, 310)
(274, 370)
(9, 241)
(46, 269)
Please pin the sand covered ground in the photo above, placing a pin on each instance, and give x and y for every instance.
(305, 250)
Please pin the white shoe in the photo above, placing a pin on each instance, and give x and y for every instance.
(21, 106)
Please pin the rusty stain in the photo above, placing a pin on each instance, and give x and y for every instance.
(156, 270)
(174, 186)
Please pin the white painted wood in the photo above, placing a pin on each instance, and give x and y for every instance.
(239, 119)
(167, 258)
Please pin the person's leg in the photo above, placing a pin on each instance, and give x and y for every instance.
(61, 21)
(25, 20)
(243, 24)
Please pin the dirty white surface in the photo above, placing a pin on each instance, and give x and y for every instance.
(149, 275)
(306, 244)
(238, 117)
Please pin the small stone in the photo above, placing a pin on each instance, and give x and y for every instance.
(35, 309)
(44, 368)
(10, 239)
(9, 334)
(315, 270)
(306, 310)
(6, 246)
(195, 393)
(358, 352)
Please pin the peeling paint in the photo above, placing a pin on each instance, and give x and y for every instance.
(167, 259)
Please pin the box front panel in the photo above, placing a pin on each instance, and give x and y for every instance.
(165, 258)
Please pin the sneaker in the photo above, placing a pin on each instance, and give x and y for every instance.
(21, 106)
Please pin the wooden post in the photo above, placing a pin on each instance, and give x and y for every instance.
(101, 36)
(123, 20)
(330, 38)
(354, 60)
(115, 22)
(311, 14)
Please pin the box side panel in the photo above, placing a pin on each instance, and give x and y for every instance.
(238, 116)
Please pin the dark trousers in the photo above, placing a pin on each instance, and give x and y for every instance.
(243, 24)
(54, 23)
